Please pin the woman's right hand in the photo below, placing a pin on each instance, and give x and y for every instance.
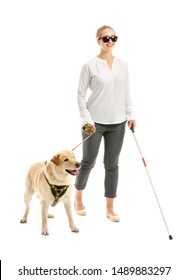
(89, 129)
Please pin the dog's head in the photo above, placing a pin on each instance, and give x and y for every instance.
(66, 160)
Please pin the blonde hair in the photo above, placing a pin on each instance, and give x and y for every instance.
(101, 29)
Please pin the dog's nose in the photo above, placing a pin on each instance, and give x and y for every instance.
(77, 164)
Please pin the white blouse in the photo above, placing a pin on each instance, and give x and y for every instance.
(109, 101)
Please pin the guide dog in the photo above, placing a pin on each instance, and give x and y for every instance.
(51, 181)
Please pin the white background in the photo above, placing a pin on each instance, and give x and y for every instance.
(43, 47)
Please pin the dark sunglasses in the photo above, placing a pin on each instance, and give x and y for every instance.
(106, 39)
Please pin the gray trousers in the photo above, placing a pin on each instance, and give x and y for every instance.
(113, 140)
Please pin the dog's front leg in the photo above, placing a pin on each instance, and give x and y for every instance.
(44, 212)
(68, 209)
(27, 198)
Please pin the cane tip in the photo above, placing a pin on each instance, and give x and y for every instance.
(170, 237)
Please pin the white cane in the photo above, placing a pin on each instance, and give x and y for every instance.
(144, 162)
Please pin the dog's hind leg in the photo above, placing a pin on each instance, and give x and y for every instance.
(67, 205)
(27, 198)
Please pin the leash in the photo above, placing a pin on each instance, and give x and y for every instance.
(87, 129)
(81, 142)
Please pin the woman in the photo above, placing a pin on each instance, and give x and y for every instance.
(105, 112)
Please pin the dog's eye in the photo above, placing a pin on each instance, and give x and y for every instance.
(66, 159)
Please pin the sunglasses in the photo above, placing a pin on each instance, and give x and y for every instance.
(106, 39)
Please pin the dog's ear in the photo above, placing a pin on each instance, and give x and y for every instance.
(56, 159)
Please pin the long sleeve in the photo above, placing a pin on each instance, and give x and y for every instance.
(82, 90)
(128, 101)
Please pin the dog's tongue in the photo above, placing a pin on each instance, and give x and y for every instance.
(74, 172)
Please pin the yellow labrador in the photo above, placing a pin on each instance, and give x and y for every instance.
(51, 181)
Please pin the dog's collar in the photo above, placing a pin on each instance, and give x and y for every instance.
(56, 190)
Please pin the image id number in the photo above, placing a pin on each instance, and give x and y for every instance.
(141, 270)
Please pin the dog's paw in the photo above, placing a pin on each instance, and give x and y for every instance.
(50, 216)
(74, 229)
(44, 232)
(23, 221)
